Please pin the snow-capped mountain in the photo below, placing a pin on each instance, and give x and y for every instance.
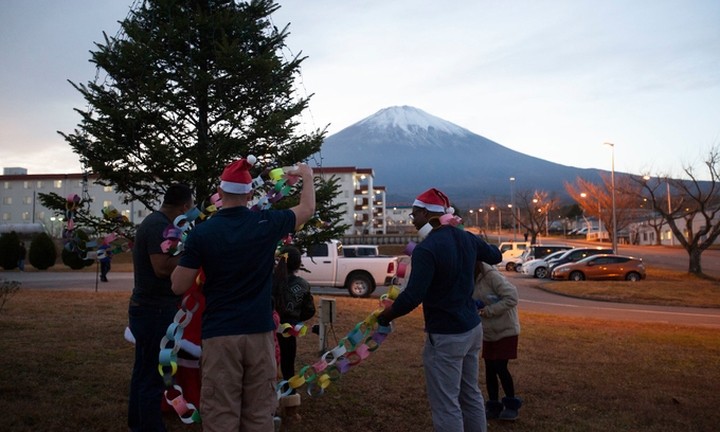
(411, 150)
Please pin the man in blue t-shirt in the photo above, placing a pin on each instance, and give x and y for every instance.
(236, 250)
(443, 280)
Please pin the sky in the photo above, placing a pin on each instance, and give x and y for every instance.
(554, 79)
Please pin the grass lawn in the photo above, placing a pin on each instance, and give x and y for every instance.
(661, 287)
(65, 367)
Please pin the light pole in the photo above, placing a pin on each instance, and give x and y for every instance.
(512, 205)
(612, 183)
(672, 236)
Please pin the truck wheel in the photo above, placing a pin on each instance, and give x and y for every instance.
(359, 285)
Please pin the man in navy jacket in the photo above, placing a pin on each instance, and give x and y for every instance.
(442, 280)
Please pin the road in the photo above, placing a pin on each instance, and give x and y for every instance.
(532, 298)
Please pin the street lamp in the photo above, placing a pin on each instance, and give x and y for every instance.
(669, 205)
(600, 222)
(499, 209)
(512, 205)
(612, 182)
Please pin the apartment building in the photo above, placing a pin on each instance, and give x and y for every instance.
(364, 202)
(22, 211)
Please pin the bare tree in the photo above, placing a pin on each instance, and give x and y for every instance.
(533, 211)
(596, 200)
(694, 201)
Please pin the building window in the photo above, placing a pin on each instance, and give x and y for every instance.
(39, 184)
(26, 185)
(6, 216)
(7, 200)
(26, 216)
(107, 203)
(107, 189)
(41, 215)
(27, 200)
(7, 185)
(57, 184)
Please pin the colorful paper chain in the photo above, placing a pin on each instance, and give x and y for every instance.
(355, 347)
(287, 330)
(90, 249)
(169, 347)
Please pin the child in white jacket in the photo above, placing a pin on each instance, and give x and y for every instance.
(497, 300)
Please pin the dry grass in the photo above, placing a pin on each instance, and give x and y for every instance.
(661, 287)
(66, 367)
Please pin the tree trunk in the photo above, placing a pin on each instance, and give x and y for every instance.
(694, 266)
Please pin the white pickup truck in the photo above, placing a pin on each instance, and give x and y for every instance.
(327, 266)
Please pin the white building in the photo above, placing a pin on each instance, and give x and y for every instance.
(362, 201)
(21, 210)
(643, 233)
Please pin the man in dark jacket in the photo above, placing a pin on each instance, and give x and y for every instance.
(442, 279)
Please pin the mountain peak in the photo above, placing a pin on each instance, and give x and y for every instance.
(412, 121)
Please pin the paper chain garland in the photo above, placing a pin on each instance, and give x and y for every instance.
(364, 339)
(176, 233)
(92, 249)
(170, 344)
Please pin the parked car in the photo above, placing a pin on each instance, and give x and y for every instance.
(533, 252)
(602, 267)
(576, 254)
(510, 251)
(539, 267)
(360, 276)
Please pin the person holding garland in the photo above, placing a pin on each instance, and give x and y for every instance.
(442, 277)
(236, 250)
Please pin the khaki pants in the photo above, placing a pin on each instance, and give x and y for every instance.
(238, 383)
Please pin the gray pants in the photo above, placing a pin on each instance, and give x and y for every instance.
(451, 373)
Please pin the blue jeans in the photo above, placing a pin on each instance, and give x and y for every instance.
(451, 373)
(148, 324)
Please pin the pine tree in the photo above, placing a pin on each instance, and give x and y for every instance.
(190, 86)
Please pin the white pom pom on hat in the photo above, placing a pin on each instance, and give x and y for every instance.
(236, 178)
(434, 201)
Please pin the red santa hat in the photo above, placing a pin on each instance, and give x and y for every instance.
(434, 201)
(236, 178)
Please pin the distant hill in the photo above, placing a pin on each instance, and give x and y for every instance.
(411, 150)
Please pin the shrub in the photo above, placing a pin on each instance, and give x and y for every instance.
(9, 250)
(42, 254)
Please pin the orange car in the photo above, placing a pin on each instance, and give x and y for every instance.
(601, 267)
